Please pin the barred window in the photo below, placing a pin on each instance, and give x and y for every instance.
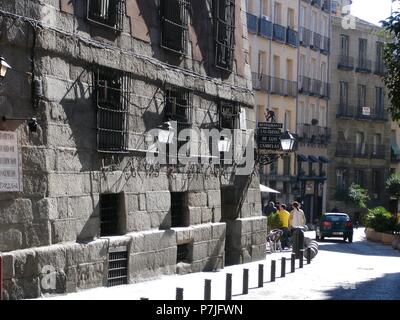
(111, 99)
(224, 32)
(108, 13)
(229, 115)
(174, 25)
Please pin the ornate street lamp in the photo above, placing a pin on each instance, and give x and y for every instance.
(4, 66)
(287, 141)
(287, 144)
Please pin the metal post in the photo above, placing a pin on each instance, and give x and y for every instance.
(228, 292)
(293, 263)
(179, 293)
(273, 269)
(260, 275)
(283, 267)
(245, 281)
(308, 255)
(207, 289)
(301, 258)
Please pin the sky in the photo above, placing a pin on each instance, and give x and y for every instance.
(373, 10)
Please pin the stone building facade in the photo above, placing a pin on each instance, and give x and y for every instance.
(360, 149)
(99, 76)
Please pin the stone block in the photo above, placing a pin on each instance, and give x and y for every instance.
(91, 275)
(88, 229)
(8, 265)
(83, 207)
(195, 215)
(137, 242)
(214, 198)
(54, 256)
(183, 235)
(202, 233)
(138, 221)
(24, 288)
(197, 199)
(16, 211)
(25, 264)
(165, 257)
(258, 252)
(11, 239)
(142, 202)
(207, 215)
(216, 248)
(77, 254)
(218, 231)
(132, 202)
(64, 230)
(158, 239)
(199, 251)
(158, 201)
(258, 238)
(38, 234)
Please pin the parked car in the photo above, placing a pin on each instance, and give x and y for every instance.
(337, 225)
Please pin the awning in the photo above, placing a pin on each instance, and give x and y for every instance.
(302, 157)
(313, 159)
(323, 159)
(267, 189)
(395, 147)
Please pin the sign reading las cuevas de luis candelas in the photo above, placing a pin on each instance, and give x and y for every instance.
(10, 163)
(269, 135)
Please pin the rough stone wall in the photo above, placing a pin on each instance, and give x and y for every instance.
(64, 175)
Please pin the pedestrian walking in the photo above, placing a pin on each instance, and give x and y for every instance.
(269, 209)
(284, 218)
(297, 217)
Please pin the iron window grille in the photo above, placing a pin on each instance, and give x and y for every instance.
(117, 266)
(178, 106)
(111, 98)
(174, 25)
(229, 115)
(224, 33)
(108, 13)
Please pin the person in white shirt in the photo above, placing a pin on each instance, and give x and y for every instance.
(297, 217)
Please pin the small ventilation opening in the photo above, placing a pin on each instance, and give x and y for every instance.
(117, 266)
(183, 253)
(178, 210)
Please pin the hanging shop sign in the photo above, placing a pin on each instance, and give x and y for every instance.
(10, 163)
(269, 135)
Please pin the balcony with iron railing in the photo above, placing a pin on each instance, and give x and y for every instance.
(265, 28)
(304, 85)
(315, 87)
(375, 113)
(305, 37)
(378, 151)
(325, 45)
(292, 37)
(252, 23)
(364, 65)
(344, 149)
(361, 150)
(261, 81)
(316, 41)
(345, 110)
(324, 90)
(313, 134)
(346, 63)
(380, 68)
(283, 87)
(279, 33)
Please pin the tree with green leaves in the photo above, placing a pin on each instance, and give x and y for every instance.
(358, 196)
(393, 187)
(391, 58)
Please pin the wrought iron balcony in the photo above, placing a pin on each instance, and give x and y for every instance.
(316, 41)
(364, 65)
(315, 87)
(378, 151)
(261, 81)
(380, 68)
(375, 113)
(325, 47)
(361, 150)
(345, 111)
(304, 85)
(325, 90)
(292, 37)
(311, 134)
(265, 28)
(252, 23)
(344, 149)
(279, 33)
(283, 87)
(305, 37)
(346, 63)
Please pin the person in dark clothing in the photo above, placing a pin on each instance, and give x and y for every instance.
(270, 208)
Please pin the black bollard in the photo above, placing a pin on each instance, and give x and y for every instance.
(301, 258)
(179, 293)
(228, 292)
(245, 281)
(293, 263)
(260, 275)
(308, 255)
(283, 267)
(273, 270)
(207, 289)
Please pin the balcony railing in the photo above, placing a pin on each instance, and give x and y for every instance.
(292, 37)
(316, 41)
(265, 28)
(346, 62)
(279, 33)
(305, 37)
(325, 47)
(380, 68)
(378, 151)
(283, 87)
(310, 134)
(361, 150)
(345, 111)
(317, 3)
(325, 90)
(315, 87)
(364, 65)
(344, 149)
(375, 113)
(252, 23)
(261, 81)
(304, 85)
